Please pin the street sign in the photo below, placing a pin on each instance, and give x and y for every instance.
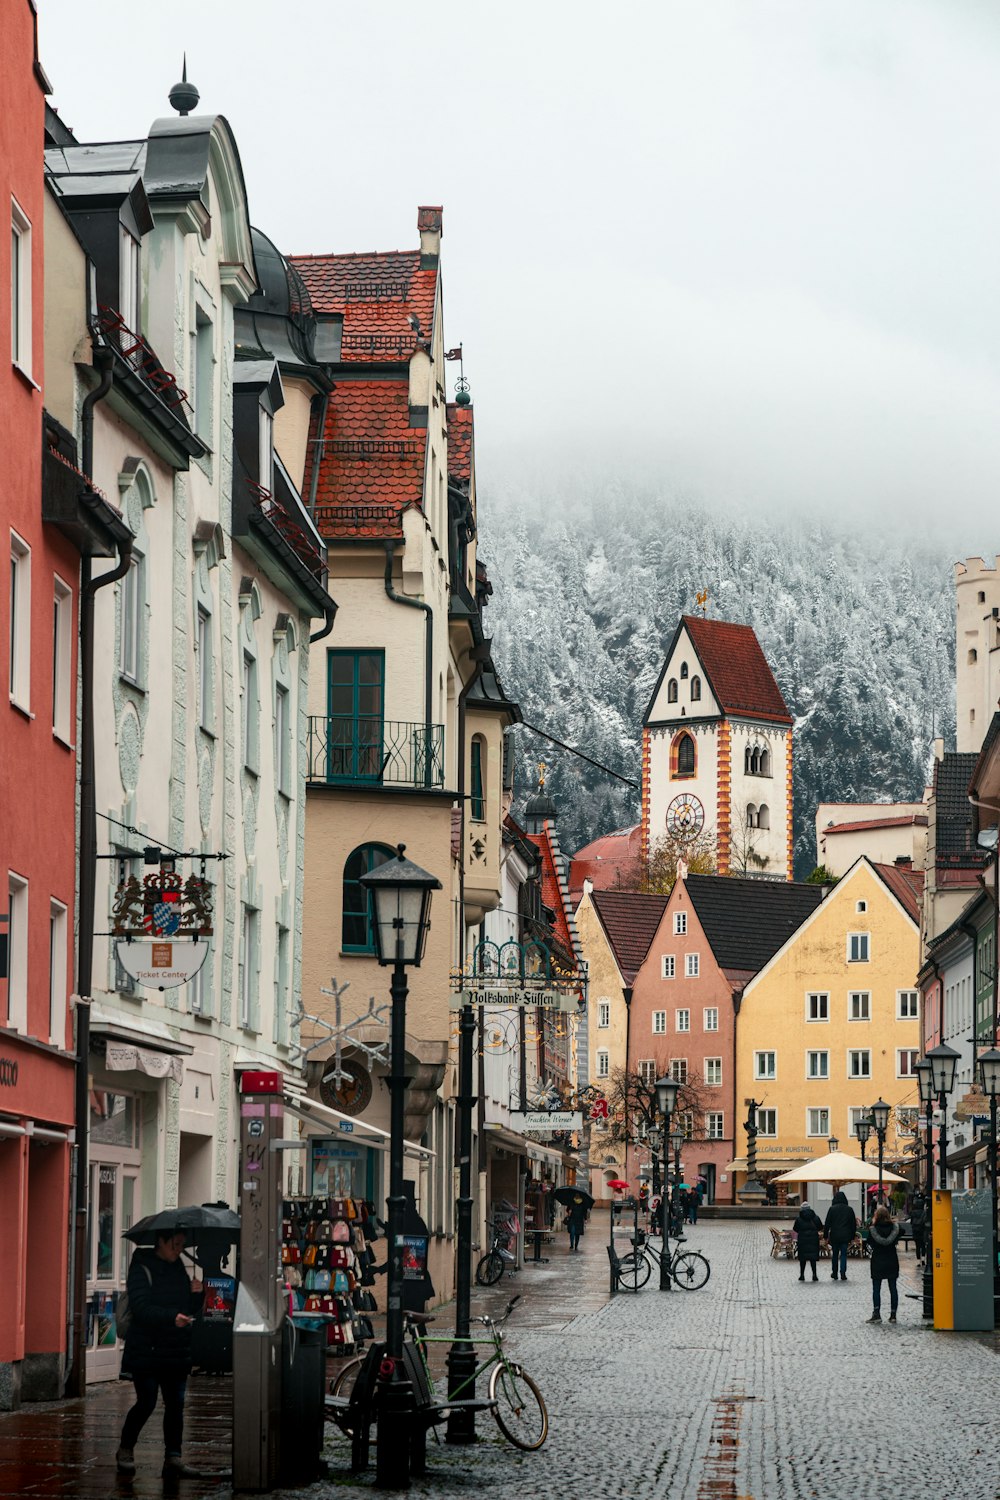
(162, 965)
(547, 1119)
(500, 997)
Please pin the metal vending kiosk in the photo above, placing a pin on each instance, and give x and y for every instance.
(257, 1323)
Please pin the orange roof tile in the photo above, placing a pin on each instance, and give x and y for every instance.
(915, 820)
(907, 885)
(371, 462)
(737, 668)
(460, 440)
(605, 861)
(377, 294)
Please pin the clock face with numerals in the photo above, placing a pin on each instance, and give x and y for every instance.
(685, 816)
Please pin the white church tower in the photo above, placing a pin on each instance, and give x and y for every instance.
(717, 750)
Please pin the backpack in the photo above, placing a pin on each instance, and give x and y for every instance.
(123, 1309)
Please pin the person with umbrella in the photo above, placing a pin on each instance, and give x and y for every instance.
(617, 1186)
(578, 1204)
(163, 1302)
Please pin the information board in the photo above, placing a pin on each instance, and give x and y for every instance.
(972, 1260)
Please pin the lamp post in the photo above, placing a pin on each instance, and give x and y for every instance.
(925, 1085)
(863, 1131)
(880, 1120)
(943, 1060)
(677, 1141)
(833, 1143)
(989, 1073)
(400, 895)
(666, 1099)
(653, 1137)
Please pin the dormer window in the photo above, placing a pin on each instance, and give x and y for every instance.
(265, 477)
(129, 285)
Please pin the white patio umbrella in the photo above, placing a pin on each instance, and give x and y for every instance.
(837, 1167)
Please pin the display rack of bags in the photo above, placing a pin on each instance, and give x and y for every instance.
(328, 1266)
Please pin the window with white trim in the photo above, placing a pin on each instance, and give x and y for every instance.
(659, 1022)
(282, 976)
(684, 1120)
(679, 1069)
(907, 1005)
(858, 947)
(57, 973)
(680, 923)
(859, 1005)
(203, 370)
(647, 1070)
(715, 1125)
(17, 952)
(682, 1020)
(854, 1114)
(20, 288)
(710, 1018)
(859, 1063)
(603, 1014)
(668, 966)
(250, 710)
(266, 432)
(20, 622)
(818, 1122)
(765, 1065)
(767, 1122)
(203, 645)
(603, 1062)
(906, 1061)
(818, 1006)
(62, 659)
(692, 965)
(282, 737)
(199, 989)
(248, 967)
(817, 1064)
(129, 304)
(130, 643)
(713, 1071)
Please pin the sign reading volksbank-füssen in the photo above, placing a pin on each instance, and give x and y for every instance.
(518, 976)
(163, 924)
(160, 965)
(514, 997)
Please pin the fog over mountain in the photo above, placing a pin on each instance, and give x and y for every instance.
(589, 584)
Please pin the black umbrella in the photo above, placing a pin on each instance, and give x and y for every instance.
(573, 1195)
(201, 1223)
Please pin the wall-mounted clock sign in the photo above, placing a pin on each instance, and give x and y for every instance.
(685, 816)
(354, 1092)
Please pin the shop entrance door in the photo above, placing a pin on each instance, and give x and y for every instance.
(113, 1208)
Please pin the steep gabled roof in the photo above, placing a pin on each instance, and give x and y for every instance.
(371, 461)
(376, 294)
(746, 921)
(953, 814)
(908, 820)
(460, 440)
(736, 668)
(555, 889)
(906, 884)
(629, 920)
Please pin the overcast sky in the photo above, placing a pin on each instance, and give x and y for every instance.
(749, 247)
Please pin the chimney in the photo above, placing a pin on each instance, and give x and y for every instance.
(430, 231)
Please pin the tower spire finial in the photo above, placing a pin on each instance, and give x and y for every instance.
(184, 96)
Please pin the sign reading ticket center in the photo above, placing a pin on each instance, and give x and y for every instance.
(962, 1244)
(161, 965)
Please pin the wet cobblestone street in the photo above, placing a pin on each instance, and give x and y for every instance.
(757, 1387)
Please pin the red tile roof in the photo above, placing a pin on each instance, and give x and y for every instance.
(372, 461)
(737, 669)
(907, 885)
(605, 861)
(918, 820)
(630, 921)
(460, 441)
(555, 888)
(376, 293)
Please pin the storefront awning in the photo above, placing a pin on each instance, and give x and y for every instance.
(967, 1156)
(499, 1135)
(152, 1035)
(767, 1163)
(321, 1116)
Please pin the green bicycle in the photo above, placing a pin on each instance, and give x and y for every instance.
(515, 1400)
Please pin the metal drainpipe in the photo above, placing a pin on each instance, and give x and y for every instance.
(331, 615)
(320, 446)
(77, 1379)
(390, 552)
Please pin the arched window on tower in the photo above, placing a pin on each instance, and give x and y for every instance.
(748, 761)
(751, 815)
(695, 689)
(765, 765)
(763, 816)
(684, 670)
(683, 759)
(973, 656)
(672, 690)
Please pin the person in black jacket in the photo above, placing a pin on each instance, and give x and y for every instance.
(840, 1228)
(807, 1228)
(918, 1223)
(882, 1237)
(163, 1302)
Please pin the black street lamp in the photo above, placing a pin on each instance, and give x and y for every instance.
(833, 1143)
(925, 1085)
(880, 1119)
(989, 1073)
(666, 1099)
(677, 1139)
(943, 1060)
(863, 1131)
(653, 1137)
(400, 895)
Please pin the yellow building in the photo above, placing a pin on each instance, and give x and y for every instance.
(831, 1024)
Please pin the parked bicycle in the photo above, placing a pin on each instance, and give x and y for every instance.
(688, 1268)
(515, 1400)
(493, 1264)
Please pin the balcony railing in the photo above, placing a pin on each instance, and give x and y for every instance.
(375, 752)
(305, 547)
(139, 355)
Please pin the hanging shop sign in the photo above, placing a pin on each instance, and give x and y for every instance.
(125, 1057)
(511, 998)
(521, 976)
(162, 924)
(159, 965)
(546, 1119)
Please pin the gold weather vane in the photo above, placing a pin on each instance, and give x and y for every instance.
(541, 775)
(701, 602)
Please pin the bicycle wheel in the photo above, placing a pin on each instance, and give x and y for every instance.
(520, 1411)
(690, 1270)
(633, 1270)
(490, 1268)
(343, 1380)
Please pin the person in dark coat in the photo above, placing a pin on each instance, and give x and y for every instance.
(807, 1228)
(918, 1223)
(882, 1237)
(840, 1227)
(576, 1213)
(163, 1302)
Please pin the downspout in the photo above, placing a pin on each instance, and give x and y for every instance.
(326, 627)
(390, 552)
(104, 361)
(477, 672)
(320, 449)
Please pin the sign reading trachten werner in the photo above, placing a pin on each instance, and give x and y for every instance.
(546, 1119)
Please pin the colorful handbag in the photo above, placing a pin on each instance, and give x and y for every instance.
(293, 1276)
(325, 1230)
(291, 1255)
(312, 1230)
(341, 1285)
(339, 1257)
(313, 1303)
(322, 1279)
(341, 1233)
(309, 1258)
(335, 1334)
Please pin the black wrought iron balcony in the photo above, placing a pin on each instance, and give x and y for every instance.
(375, 752)
(307, 549)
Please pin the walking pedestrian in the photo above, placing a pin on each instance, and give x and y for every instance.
(918, 1223)
(882, 1237)
(840, 1227)
(807, 1228)
(163, 1302)
(575, 1215)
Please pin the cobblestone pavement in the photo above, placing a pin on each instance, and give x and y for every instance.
(757, 1387)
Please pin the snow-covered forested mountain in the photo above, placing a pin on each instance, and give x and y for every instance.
(858, 627)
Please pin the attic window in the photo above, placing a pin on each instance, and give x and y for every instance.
(684, 670)
(695, 689)
(861, 906)
(266, 471)
(973, 656)
(128, 290)
(672, 690)
(980, 597)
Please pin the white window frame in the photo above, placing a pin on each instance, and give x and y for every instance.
(692, 965)
(812, 995)
(913, 1054)
(58, 969)
(659, 1023)
(715, 1125)
(646, 1068)
(282, 735)
(21, 317)
(905, 995)
(248, 954)
(822, 1055)
(866, 996)
(679, 1069)
(818, 1110)
(713, 1072)
(680, 923)
(710, 1018)
(682, 1019)
(17, 952)
(62, 659)
(130, 624)
(129, 292)
(760, 1071)
(202, 373)
(603, 1015)
(859, 1052)
(203, 646)
(603, 1062)
(668, 966)
(249, 710)
(762, 1126)
(854, 1114)
(20, 623)
(265, 463)
(864, 940)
